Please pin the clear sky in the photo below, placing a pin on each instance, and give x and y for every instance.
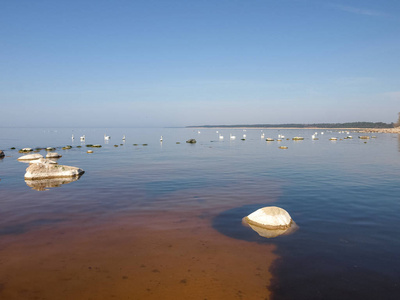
(137, 63)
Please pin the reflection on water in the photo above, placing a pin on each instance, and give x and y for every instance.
(45, 184)
(398, 141)
(271, 233)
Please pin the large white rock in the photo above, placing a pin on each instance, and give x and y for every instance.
(45, 168)
(31, 156)
(270, 217)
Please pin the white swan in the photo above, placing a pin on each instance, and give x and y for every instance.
(83, 138)
(232, 137)
(72, 137)
(161, 139)
(123, 138)
(106, 137)
(221, 137)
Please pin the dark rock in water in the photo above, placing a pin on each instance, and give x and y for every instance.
(2, 153)
(191, 141)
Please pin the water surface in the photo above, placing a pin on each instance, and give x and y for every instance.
(150, 221)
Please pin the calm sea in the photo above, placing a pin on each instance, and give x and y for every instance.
(143, 204)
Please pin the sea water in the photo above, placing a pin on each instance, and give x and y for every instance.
(344, 196)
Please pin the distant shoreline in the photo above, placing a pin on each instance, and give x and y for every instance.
(365, 130)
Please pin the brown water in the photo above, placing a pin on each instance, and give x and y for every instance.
(154, 256)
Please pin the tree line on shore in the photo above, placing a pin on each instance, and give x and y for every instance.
(314, 125)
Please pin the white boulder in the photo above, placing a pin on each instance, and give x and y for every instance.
(31, 156)
(270, 217)
(45, 168)
(53, 155)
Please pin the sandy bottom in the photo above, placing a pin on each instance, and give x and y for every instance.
(147, 256)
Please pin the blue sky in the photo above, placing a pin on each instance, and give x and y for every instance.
(182, 62)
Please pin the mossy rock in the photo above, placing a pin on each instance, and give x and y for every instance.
(115, 145)
(191, 141)
(12, 148)
(78, 146)
(97, 146)
(25, 150)
(145, 144)
(89, 145)
(135, 144)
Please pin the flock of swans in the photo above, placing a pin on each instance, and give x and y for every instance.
(220, 136)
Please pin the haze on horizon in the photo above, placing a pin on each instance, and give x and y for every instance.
(150, 63)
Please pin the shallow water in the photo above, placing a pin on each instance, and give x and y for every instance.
(147, 222)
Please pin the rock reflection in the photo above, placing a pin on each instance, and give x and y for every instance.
(45, 184)
(398, 141)
(271, 233)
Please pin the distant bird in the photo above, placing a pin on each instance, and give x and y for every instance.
(262, 135)
(123, 138)
(83, 138)
(72, 137)
(106, 137)
(221, 137)
(161, 139)
(232, 137)
(244, 136)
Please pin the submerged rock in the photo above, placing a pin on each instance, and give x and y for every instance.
(45, 169)
(30, 157)
(271, 217)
